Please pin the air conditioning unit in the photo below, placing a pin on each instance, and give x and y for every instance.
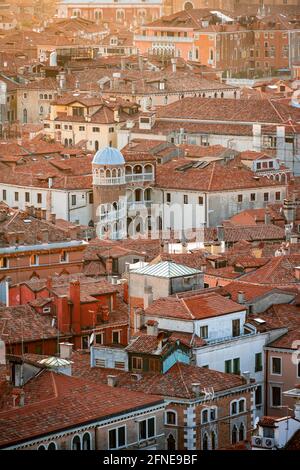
(268, 442)
(257, 441)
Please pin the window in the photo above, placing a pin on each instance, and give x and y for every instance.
(81, 128)
(76, 111)
(24, 95)
(252, 197)
(236, 366)
(171, 417)
(236, 327)
(233, 408)
(34, 260)
(204, 332)
(204, 418)
(116, 337)
(242, 405)
(213, 414)
(41, 447)
(4, 194)
(4, 263)
(213, 440)
(241, 432)
(52, 446)
(205, 442)
(16, 196)
(73, 200)
(266, 197)
(99, 338)
(25, 116)
(200, 200)
(271, 165)
(168, 196)
(39, 198)
(85, 342)
(277, 195)
(234, 434)
(116, 437)
(96, 129)
(298, 370)
(240, 198)
(171, 443)
(258, 362)
(111, 129)
(147, 428)
(276, 396)
(276, 365)
(27, 197)
(86, 441)
(185, 199)
(137, 363)
(228, 368)
(91, 198)
(64, 257)
(258, 395)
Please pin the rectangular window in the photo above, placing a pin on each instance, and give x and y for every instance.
(91, 198)
(137, 363)
(204, 332)
(16, 196)
(185, 199)
(258, 395)
(168, 197)
(64, 257)
(116, 337)
(258, 362)
(85, 342)
(4, 195)
(81, 128)
(147, 428)
(99, 338)
(236, 327)
(277, 195)
(266, 197)
(96, 129)
(100, 363)
(276, 396)
(27, 197)
(236, 366)
(298, 370)
(116, 437)
(252, 197)
(34, 260)
(200, 200)
(276, 365)
(39, 198)
(111, 129)
(73, 200)
(240, 198)
(4, 263)
(228, 366)
(76, 111)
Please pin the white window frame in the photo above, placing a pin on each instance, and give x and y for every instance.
(271, 365)
(147, 430)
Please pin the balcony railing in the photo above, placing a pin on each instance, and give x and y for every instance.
(109, 181)
(159, 39)
(139, 177)
(228, 338)
(138, 205)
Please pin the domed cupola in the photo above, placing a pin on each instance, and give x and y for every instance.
(108, 167)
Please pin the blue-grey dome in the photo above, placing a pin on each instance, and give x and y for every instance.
(108, 156)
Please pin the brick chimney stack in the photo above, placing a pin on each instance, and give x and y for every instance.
(75, 299)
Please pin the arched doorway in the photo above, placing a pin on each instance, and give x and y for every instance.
(171, 443)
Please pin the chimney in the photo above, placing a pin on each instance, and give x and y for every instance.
(44, 214)
(63, 314)
(246, 376)
(196, 389)
(52, 218)
(49, 283)
(173, 62)
(220, 233)
(22, 398)
(44, 235)
(74, 292)
(241, 297)
(108, 266)
(112, 380)
(152, 328)
(65, 350)
(105, 313)
(148, 296)
(267, 217)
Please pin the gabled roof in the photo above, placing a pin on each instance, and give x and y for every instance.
(167, 269)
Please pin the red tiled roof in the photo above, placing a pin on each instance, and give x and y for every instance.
(55, 402)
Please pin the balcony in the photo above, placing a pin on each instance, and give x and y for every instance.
(160, 39)
(139, 177)
(108, 181)
(227, 338)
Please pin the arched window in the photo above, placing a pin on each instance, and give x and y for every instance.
(52, 446)
(204, 416)
(233, 408)
(66, 142)
(205, 441)
(147, 194)
(45, 97)
(171, 417)
(242, 432)
(213, 440)
(242, 405)
(41, 96)
(138, 195)
(234, 435)
(222, 95)
(25, 116)
(216, 95)
(70, 142)
(86, 441)
(41, 447)
(76, 443)
(171, 442)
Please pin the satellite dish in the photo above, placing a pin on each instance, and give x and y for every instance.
(92, 337)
